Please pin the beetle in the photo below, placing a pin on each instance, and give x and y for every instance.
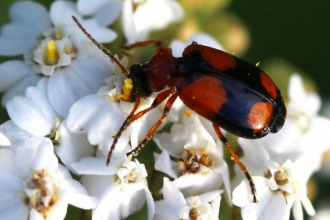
(228, 91)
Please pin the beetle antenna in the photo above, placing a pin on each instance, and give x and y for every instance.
(103, 49)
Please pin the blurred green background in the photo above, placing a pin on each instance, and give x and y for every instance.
(285, 36)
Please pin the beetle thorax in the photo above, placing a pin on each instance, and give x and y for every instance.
(161, 69)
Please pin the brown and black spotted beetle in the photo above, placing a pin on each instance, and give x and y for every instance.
(231, 93)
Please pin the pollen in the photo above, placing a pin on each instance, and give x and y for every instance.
(127, 90)
(187, 113)
(52, 54)
(41, 192)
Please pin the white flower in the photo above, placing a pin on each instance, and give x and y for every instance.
(29, 19)
(104, 11)
(4, 141)
(62, 55)
(174, 205)
(34, 115)
(57, 49)
(35, 186)
(283, 185)
(271, 204)
(303, 128)
(102, 114)
(31, 23)
(121, 188)
(291, 178)
(148, 15)
(200, 167)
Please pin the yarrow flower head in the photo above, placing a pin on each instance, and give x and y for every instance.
(71, 100)
(39, 120)
(123, 180)
(105, 112)
(279, 187)
(55, 48)
(175, 206)
(200, 165)
(303, 128)
(35, 186)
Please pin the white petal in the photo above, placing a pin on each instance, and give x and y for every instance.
(128, 24)
(43, 156)
(87, 7)
(72, 147)
(165, 164)
(95, 166)
(254, 152)
(194, 184)
(296, 89)
(58, 210)
(96, 185)
(297, 210)
(204, 39)
(80, 200)
(271, 205)
(224, 170)
(201, 38)
(35, 215)
(216, 206)
(12, 45)
(38, 117)
(177, 48)
(20, 87)
(30, 14)
(150, 204)
(307, 205)
(61, 12)
(163, 211)
(19, 137)
(174, 141)
(107, 203)
(4, 141)
(172, 194)
(60, 93)
(131, 203)
(12, 205)
(82, 78)
(28, 20)
(101, 117)
(104, 35)
(210, 196)
(12, 72)
(155, 14)
(108, 14)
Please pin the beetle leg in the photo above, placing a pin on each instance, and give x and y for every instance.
(103, 49)
(132, 117)
(235, 158)
(138, 44)
(154, 128)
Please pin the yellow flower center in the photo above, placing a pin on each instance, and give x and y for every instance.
(127, 89)
(52, 53)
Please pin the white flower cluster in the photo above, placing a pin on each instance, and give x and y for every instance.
(65, 103)
(283, 162)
